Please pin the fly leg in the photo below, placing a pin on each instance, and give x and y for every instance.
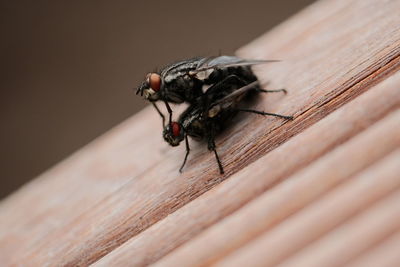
(187, 153)
(212, 147)
(271, 91)
(169, 111)
(162, 115)
(260, 90)
(159, 112)
(265, 113)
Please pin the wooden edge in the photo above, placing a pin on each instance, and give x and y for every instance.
(281, 201)
(375, 223)
(116, 188)
(188, 221)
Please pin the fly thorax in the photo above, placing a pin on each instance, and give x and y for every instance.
(202, 75)
(197, 130)
(191, 120)
(173, 76)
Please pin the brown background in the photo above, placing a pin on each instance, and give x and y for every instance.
(68, 68)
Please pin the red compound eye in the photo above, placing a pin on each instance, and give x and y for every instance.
(176, 128)
(154, 81)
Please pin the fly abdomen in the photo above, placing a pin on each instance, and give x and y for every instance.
(243, 73)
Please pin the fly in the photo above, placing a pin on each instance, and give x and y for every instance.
(204, 119)
(185, 81)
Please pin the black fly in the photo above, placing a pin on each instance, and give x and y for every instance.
(186, 81)
(204, 119)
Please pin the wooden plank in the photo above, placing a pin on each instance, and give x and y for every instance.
(297, 232)
(184, 224)
(60, 195)
(276, 204)
(120, 185)
(385, 254)
(363, 231)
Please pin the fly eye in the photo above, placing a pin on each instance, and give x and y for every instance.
(176, 129)
(154, 80)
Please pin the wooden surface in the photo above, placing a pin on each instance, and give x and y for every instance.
(295, 193)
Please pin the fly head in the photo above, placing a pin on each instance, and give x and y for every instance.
(154, 88)
(151, 87)
(173, 133)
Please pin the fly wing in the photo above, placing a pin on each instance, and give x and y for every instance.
(230, 99)
(239, 92)
(226, 62)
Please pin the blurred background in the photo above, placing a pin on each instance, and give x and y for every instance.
(68, 67)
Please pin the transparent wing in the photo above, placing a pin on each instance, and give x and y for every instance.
(226, 62)
(230, 100)
(236, 94)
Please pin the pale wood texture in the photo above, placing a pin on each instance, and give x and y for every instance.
(292, 189)
(385, 254)
(316, 220)
(336, 128)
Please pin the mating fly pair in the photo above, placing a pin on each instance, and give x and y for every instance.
(213, 88)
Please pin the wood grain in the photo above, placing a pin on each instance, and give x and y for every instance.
(278, 203)
(188, 221)
(112, 190)
(364, 230)
(385, 254)
(297, 232)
